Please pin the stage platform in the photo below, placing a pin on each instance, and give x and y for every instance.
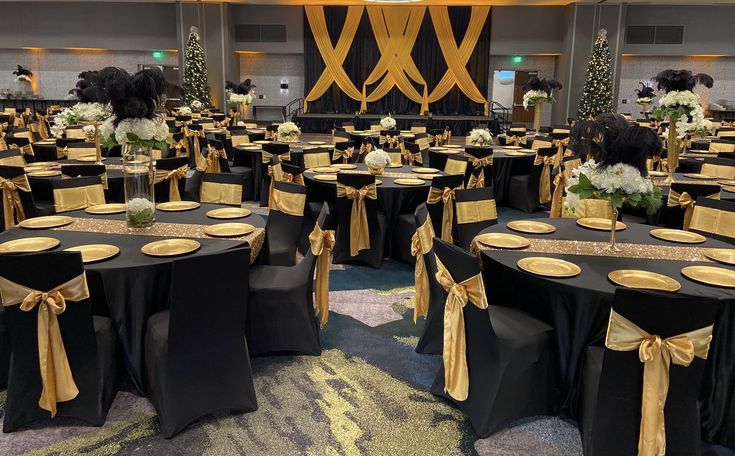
(460, 125)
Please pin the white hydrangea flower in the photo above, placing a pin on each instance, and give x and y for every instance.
(184, 111)
(237, 98)
(138, 205)
(88, 130)
(535, 97)
(144, 129)
(196, 104)
(480, 137)
(288, 129)
(378, 158)
(107, 128)
(388, 123)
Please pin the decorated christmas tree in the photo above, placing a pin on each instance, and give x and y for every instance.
(597, 96)
(195, 71)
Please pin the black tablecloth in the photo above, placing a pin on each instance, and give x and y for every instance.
(460, 125)
(131, 287)
(115, 193)
(578, 309)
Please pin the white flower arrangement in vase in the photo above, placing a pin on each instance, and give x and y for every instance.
(643, 101)
(388, 123)
(140, 133)
(184, 111)
(89, 132)
(289, 132)
(140, 211)
(377, 160)
(237, 98)
(480, 137)
(534, 97)
(196, 105)
(22, 78)
(697, 126)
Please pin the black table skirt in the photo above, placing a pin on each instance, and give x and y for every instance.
(460, 125)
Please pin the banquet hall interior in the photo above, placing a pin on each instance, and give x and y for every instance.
(367, 227)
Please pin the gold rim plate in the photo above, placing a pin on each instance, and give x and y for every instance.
(698, 176)
(452, 146)
(326, 170)
(634, 278)
(229, 229)
(409, 182)
(170, 247)
(726, 256)
(48, 173)
(549, 267)
(437, 149)
(710, 275)
(729, 183)
(29, 244)
(326, 177)
(657, 174)
(425, 170)
(88, 159)
(229, 213)
(176, 206)
(515, 153)
(344, 166)
(378, 181)
(316, 143)
(35, 168)
(503, 240)
(109, 208)
(261, 141)
(49, 221)
(513, 147)
(47, 164)
(680, 236)
(428, 176)
(601, 224)
(91, 253)
(395, 165)
(531, 227)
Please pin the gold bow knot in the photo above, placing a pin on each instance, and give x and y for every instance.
(560, 182)
(544, 190)
(412, 158)
(366, 148)
(12, 205)
(359, 230)
(656, 354)
(515, 140)
(454, 357)
(447, 197)
(391, 141)
(479, 164)
(421, 244)
(173, 177)
(345, 155)
(438, 139)
(561, 145)
(322, 244)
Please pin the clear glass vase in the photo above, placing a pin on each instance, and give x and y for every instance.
(138, 176)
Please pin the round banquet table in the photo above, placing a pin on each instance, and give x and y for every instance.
(578, 307)
(132, 286)
(41, 186)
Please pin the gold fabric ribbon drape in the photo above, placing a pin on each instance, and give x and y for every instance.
(173, 177)
(447, 196)
(12, 205)
(212, 160)
(476, 211)
(366, 148)
(390, 141)
(42, 129)
(422, 242)
(322, 244)
(544, 189)
(71, 199)
(183, 143)
(479, 165)
(288, 203)
(561, 145)
(266, 156)
(715, 221)
(344, 155)
(657, 355)
(438, 140)
(24, 150)
(56, 377)
(359, 229)
(454, 355)
(199, 161)
(557, 199)
(294, 178)
(333, 57)
(684, 201)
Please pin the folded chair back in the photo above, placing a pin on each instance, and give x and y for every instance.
(17, 200)
(714, 218)
(221, 188)
(474, 210)
(170, 178)
(287, 204)
(44, 152)
(216, 157)
(77, 193)
(11, 157)
(83, 150)
(413, 155)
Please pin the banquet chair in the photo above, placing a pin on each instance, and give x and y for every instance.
(525, 190)
(281, 317)
(280, 150)
(271, 132)
(12, 157)
(440, 203)
(88, 342)
(180, 142)
(341, 137)
(217, 188)
(344, 152)
(348, 126)
(436, 137)
(389, 138)
(719, 167)
(44, 152)
(239, 138)
(22, 143)
(5, 350)
(612, 379)
(20, 190)
(215, 157)
(423, 140)
(480, 160)
(507, 351)
(517, 129)
(413, 155)
(196, 357)
(456, 164)
(677, 211)
(366, 146)
(81, 150)
(714, 218)
(169, 179)
(75, 131)
(395, 154)
(315, 158)
(68, 171)
(286, 217)
(361, 228)
(721, 146)
(474, 210)
(419, 127)
(77, 193)
(198, 139)
(220, 120)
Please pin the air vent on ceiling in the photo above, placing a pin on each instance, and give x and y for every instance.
(260, 33)
(654, 34)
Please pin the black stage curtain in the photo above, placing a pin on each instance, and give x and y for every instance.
(427, 54)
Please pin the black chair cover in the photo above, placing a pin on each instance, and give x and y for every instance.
(162, 189)
(673, 216)
(284, 230)
(273, 148)
(26, 198)
(436, 210)
(523, 193)
(432, 336)
(466, 231)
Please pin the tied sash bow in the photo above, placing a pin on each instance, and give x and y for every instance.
(12, 205)
(557, 199)
(447, 197)
(213, 156)
(514, 140)
(479, 165)
(412, 158)
(561, 145)
(391, 141)
(454, 356)
(684, 201)
(183, 143)
(322, 244)
(366, 148)
(173, 177)
(293, 178)
(439, 139)
(345, 155)
(421, 244)
(56, 377)
(359, 229)
(544, 191)
(656, 354)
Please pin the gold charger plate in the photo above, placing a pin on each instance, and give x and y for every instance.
(698, 176)
(344, 166)
(710, 275)
(316, 143)
(261, 141)
(428, 176)
(634, 278)
(47, 164)
(729, 183)
(513, 147)
(326, 169)
(515, 153)
(401, 181)
(108, 208)
(35, 168)
(681, 236)
(92, 253)
(452, 146)
(175, 206)
(170, 247)
(326, 177)
(601, 224)
(378, 181)
(531, 227)
(30, 244)
(229, 213)
(425, 170)
(437, 149)
(503, 240)
(549, 267)
(730, 189)
(88, 159)
(395, 165)
(229, 229)
(726, 256)
(657, 174)
(48, 173)
(49, 221)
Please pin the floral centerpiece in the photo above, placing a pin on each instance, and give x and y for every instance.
(377, 160)
(644, 97)
(480, 137)
(23, 78)
(288, 132)
(184, 111)
(620, 184)
(241, 96)
(698, 127)
(538, 92)
(196, 106)
(138, 128)
(388, 123)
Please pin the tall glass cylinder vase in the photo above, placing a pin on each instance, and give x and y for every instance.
(672, 153)
(537, 117)
(138, 176)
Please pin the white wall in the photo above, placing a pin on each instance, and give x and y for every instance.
(267, 71)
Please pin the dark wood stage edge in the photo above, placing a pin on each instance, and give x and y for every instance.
(460, 125)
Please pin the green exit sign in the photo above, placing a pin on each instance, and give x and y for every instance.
(517, 58)
(158, 54)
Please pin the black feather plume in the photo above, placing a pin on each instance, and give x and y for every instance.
(133, 96)
(89, 88)
(243, 88)
(22, 71)
(644, 91)
(543, 84)
(670, 80)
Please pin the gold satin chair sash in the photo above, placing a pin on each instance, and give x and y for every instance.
(316, 160)
(478, 164)
(215, 192)
(322, 245)
(12, 205)
(238, 140)
(412, 158)
(455, 167)
(538, 144)
(422, 242)
(15, 160)
(183, 143)
(200, 162)
(294, 178)
(657, 355)
(71, 199)
(286, 156)
(56, 377)
(75, 133)
(454, 355)
(514, 140)
(557, 198)
(42, 129)
(561, 145)
(359, 229)
(592, 208)
(74, 153)
(445, 195)
(721, 171)
(344, 155)
(544, 189)
(390, 141)
(721, 147)
(715, 221)
(24, 150)
(686, 202)
(475, 211)
(366, 148)
(288, 203)
(438, 140)
(173, 177)
(212, 160)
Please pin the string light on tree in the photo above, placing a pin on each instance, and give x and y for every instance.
(597, 95)
(195, 86)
